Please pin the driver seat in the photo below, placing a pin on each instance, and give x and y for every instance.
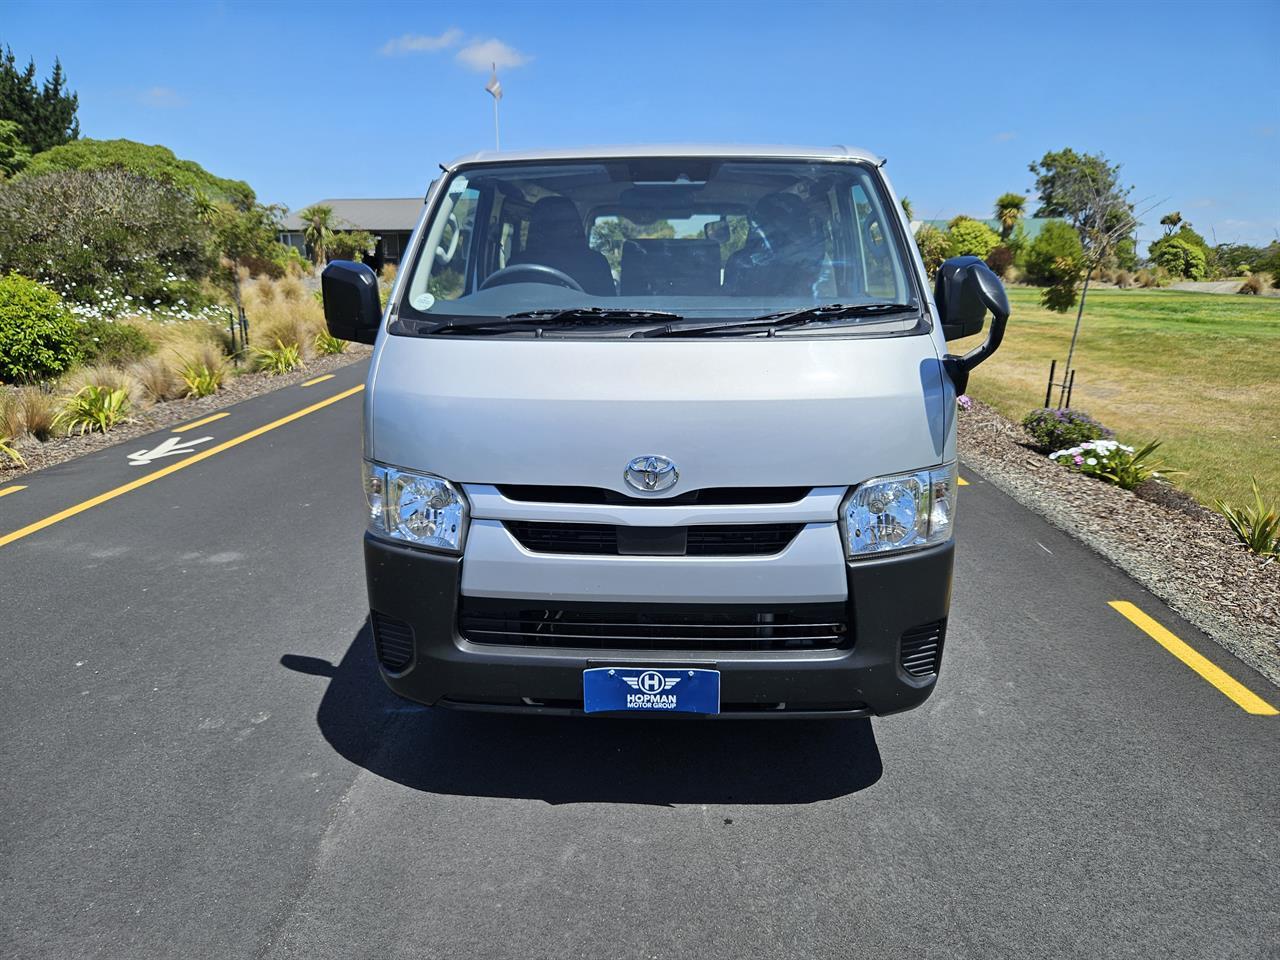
(556, 239)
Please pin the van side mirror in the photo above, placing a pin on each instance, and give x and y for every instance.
(965, 290)
(352, 306)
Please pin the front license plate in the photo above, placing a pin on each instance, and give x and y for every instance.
(652, 689)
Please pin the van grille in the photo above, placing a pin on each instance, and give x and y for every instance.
(710, 496)
(393, 641)
(921, 648)
(714, 540)
(639, 626)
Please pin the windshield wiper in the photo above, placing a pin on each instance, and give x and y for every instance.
(615, 314)
(536, 320)
(785, 320)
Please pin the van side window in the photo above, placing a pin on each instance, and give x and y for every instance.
(878, 262)
(449, 271)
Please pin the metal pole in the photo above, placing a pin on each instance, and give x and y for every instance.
(497, 144)
(1071, 385)
(1048, 390)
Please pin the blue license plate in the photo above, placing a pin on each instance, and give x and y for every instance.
(650, 689)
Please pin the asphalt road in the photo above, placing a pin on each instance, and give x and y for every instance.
(199, 760)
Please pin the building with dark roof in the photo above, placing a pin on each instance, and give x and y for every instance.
(390, 220)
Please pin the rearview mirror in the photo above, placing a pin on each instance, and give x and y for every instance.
(352, 307)
(965, 290)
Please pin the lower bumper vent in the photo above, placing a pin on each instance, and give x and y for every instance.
(635, 626)
(921, 649)
(393, 641)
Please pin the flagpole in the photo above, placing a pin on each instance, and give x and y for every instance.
(497, 144)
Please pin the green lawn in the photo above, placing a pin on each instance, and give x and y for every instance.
(1201, 372)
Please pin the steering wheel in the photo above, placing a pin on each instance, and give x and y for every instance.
(530, 273)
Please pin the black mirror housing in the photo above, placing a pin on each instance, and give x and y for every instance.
(352, 305)
(962, 291)
(965, 290)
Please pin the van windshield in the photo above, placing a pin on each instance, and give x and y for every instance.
(702, 238)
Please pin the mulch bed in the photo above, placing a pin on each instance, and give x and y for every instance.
(144, 420)
(1184, 554)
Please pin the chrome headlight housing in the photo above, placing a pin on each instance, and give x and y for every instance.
(901, 512)
(415, 508)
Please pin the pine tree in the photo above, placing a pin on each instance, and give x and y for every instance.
(45, 115)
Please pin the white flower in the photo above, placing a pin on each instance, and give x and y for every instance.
(1092, 461)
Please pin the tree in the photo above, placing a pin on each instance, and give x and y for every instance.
(152, 161)
(14, 154)
(906, 208)
(351, 245)
(1010, 208)
(1085, 190)
(933, 245)
(1170, 222)
(1180, 258)
(245, 238)
(318, 231)
(1055, 261)
(46, 116)
(970, 238)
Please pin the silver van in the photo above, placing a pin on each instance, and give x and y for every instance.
(663, 430)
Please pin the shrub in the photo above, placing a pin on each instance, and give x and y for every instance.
(1000, 259)
(108, 342)
(290, 288)
(327, 345)
(91, 230)
(36, 411)
(94, 408)
(1053, 429)
(1053, 254)
(350, 245)
(1148, 279)
(283, 358)
(1124, 279)
(1111, 461)
(158, 377)
(933, 247)
(970, 238)
(37, 334)
(387, 275)
(1180, 258)
(204, 373)
(1254, 284)
(1258, 527)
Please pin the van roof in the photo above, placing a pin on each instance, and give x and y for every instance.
(621, 151)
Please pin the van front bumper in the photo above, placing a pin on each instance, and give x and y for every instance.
(887, 598)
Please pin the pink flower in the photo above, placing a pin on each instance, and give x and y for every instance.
(1078, 459)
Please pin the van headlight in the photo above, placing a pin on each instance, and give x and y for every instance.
(900, 512)
(416, 508)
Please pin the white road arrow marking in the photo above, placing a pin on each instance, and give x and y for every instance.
(171, 447)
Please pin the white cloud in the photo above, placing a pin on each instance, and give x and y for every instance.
(480, 54)
(162, 97)
(421, 43)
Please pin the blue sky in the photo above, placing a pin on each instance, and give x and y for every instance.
(311, 100)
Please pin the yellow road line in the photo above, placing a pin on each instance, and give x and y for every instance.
(962, 481)
(8, 490)
(172, 468)
(199, 423)
(1229, 686)
(319, 379)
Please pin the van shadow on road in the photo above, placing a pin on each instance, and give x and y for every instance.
(575, 759)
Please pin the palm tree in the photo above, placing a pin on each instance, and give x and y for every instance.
(319, 232)
(906, 208)
(1009, 210)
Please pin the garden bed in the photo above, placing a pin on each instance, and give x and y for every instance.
(144, 420)
(1182, 553)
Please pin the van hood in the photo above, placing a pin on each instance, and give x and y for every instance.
(729, 413)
